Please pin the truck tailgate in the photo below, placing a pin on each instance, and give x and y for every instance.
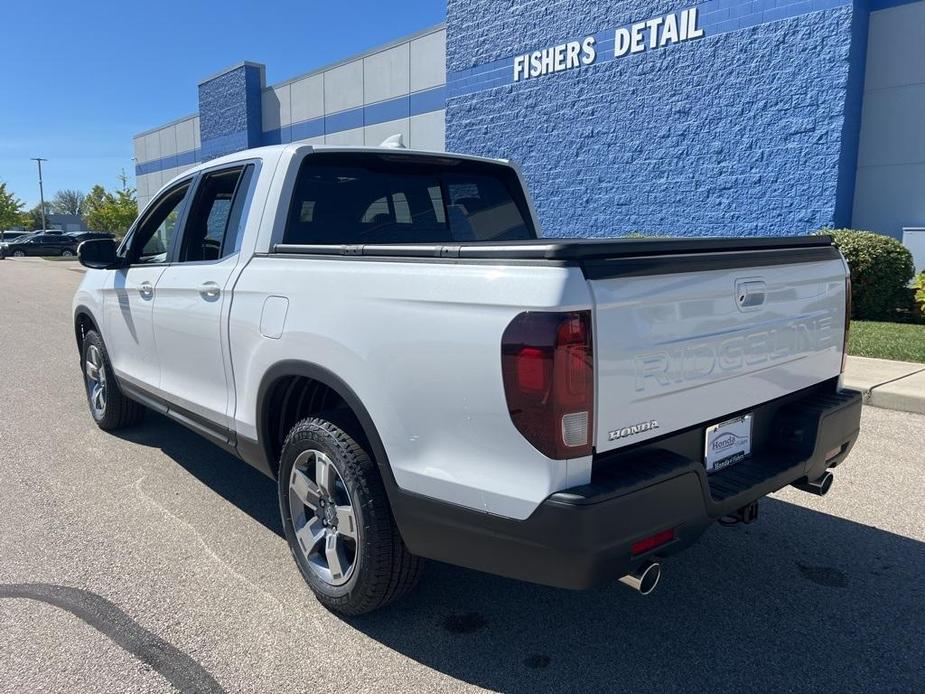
(687, 339)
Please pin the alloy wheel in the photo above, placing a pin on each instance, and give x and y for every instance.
(323, 518)
(96, 380)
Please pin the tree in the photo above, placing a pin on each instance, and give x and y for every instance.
(68, 201)
(93, 201)
(124, 210)
(32, 220)
(10, 208)
(114, 212)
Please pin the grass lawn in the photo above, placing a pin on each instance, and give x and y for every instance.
(900, 341)
(59, 257)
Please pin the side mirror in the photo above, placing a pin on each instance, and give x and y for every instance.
(98, 254)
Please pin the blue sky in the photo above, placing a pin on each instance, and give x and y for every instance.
(81, 78)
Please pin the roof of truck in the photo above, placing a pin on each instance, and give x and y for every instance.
(277, 150)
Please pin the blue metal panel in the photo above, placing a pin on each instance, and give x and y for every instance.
(345, 120)
(187, 158)
(393, 109)
(306, 129)
(273, 137)
(428, 100)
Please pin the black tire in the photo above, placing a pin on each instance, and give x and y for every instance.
(67, 253)
(383, 569)
(117, 411)
(19, 254)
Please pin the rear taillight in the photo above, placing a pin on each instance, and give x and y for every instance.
(844, 351)
(548, 371)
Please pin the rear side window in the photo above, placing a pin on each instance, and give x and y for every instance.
(373, 198)
(214, 224)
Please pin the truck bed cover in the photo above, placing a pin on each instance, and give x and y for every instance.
(601, 258)
(564, 249)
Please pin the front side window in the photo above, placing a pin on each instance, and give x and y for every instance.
(373, 198)
(153, 237)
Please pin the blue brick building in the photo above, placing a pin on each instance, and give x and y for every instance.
(745, 117)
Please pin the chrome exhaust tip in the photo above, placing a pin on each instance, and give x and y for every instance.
(819, 487)
(644, 579)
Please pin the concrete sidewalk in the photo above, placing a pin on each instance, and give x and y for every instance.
(893, 385)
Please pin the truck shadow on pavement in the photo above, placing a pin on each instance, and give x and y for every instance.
(799, 601)
(234, 480)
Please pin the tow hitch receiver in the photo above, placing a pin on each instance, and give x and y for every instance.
(746, 514)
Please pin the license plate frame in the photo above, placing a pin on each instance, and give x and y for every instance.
(727, 443)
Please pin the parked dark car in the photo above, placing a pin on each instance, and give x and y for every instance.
(9, 236)
(81, 236)
(41, 243)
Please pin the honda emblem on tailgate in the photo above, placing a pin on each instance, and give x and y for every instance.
(633, 430)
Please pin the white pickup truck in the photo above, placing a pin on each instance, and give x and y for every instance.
(385, 333)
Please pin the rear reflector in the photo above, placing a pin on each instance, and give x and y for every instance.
(575, 429)
(650, 543)
(548, 371)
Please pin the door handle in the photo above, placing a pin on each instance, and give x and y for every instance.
(209, 290)
(146, 290)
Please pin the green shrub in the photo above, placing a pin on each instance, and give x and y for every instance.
(881, 268)
(920, 293)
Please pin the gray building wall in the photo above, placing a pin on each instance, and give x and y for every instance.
(397, 88)
(66, 222)
(890, 187)
(165, 152)
(392, 89)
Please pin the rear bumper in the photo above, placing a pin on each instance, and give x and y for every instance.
(583, 536)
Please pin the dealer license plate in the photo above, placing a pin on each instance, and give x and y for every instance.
(728, 442)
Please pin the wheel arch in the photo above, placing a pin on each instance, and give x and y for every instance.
(83, 322)
(280, 375)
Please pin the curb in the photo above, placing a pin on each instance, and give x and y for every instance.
(892, 385)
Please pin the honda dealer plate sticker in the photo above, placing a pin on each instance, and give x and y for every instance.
(728, 442)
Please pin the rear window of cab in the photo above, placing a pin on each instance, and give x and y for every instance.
(360, 198)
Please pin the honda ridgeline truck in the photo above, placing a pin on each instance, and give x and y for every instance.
(386, 333)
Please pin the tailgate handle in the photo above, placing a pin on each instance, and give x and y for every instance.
(750, 294)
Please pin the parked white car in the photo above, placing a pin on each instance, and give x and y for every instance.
(386, 334)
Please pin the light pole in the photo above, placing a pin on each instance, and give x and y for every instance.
(39, 160)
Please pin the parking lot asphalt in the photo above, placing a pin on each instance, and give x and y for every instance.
(153, 561)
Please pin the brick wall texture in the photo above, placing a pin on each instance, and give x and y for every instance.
(736, 133)
(229, 112)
